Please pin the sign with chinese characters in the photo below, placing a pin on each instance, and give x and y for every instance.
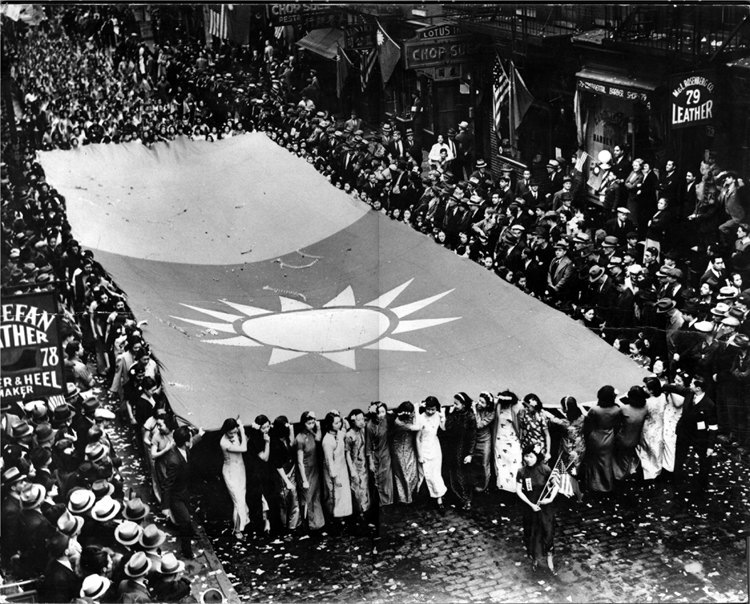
(449, 72)
(360, 36)
(692, 99)
(30, 347)
(610, 89)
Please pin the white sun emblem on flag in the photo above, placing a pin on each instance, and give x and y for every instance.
(335, 330)
(380, 37)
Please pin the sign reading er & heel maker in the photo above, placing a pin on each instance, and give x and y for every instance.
(692, 99)
(30, 347)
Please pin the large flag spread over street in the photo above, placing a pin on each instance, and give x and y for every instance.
(267, 290)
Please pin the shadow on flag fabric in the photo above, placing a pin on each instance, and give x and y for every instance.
(388, 54)
(267, 290)
(520, 101)
(342, 69)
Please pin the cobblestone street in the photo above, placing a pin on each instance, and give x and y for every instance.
(642, 544)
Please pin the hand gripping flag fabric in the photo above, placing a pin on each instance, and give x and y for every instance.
(267, 290)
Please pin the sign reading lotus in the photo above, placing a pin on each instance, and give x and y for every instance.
(333, 331)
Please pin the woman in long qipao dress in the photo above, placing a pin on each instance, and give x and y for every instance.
(308, 470)
(572, 443)
(429, 453)
(356, 461)
(533, 425)
(233, 444)
(484, 412)
(672, 414)
(460, 437)
(338, 494)
(507, 443)
(378, 451)
(599, 427)
(404, 454)
(651, 447)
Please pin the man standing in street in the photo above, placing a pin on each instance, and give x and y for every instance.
(465, 143)
(175, 490)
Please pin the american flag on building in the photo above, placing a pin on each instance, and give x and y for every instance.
(367, 59)
(501, 90)
(218, 23)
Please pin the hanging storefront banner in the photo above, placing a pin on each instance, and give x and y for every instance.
(30, 347)
(360, 36)
(693, 99)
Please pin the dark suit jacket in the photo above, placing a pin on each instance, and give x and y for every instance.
(698, 424)
(614, 229)
(60, 583)
(177, 480)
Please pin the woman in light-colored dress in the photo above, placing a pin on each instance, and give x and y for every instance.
(484, 412)
(404, 454)
(507, 444)
(672, 413)
(308, 471)
(429, 453)
(338, 494)
(651, 448)
(161, 441)
(233, 444)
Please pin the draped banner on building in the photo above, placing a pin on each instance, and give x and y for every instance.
(267, 290)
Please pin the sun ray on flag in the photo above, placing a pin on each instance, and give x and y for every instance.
(344, 357)
(391, 344)
(238, 341)
(279, 355)
(412, 325)
(345, 298)
(384, 300)
(224, 316)
(288, 304)
(250, 311)
(407, 309)
(225, 327)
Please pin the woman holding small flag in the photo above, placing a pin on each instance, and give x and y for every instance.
(537, 487)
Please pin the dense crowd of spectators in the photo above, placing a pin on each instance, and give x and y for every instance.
(659, 269)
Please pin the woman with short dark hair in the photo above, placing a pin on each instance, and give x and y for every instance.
(572, 442)
(599, 429)
(632, 417)
(283, 460)
(534, 426)
(308, 463)
(460, 438)
(338, 495)
(537, 489)
(429, 453)
(507, 444)
(377, 449)
(233, 444)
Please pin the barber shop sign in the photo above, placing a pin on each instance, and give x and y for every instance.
(693, 99)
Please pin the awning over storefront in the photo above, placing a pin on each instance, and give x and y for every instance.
(323, 41)
(615, 84)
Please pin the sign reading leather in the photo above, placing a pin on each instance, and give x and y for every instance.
(693, 99)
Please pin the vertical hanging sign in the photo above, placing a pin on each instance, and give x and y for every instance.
(30, 347)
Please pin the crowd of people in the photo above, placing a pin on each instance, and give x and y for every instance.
(659, 269)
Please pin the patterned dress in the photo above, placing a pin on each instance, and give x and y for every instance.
(354, 442)
(507, 449)
(533, 427)
(405, 467)
(651, 447)
(573, 444)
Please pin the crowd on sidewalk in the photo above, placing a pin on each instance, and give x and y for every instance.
(660, 269)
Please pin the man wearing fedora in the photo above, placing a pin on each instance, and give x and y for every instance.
(60, 582)
(483, 175)
(33, 529)
(134, 589)
(621, 225)
(560, 275)
(168, 584)
(14, 482)
(696, 430)
(465, 148)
